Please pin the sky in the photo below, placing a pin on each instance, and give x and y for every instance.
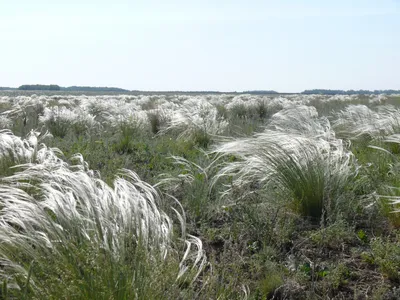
(191, 45)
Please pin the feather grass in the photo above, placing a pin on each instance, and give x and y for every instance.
(306, 164)
(83, 235)
(360, 122)
(196, 119)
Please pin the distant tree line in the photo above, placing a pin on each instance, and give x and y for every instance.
(92, 89)
(54, 87)
(349, 92)
(39, 87)
(260, 92)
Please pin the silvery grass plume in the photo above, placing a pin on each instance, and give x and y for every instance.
(133, 118)
(394, 198)
(68, 101)
(303, 121)
(60, 120)
(117, 112)
(104, 107)
(15, 150)
(289, 101)
(158, 119)
(6, 103)
(64, 233)
(25, 113)
(303, 162)
(196, 119)
(272, 103)
(251, 106)
(378, 99)
(359, 121)
(99, 108)
(5, 122)
(26, 106)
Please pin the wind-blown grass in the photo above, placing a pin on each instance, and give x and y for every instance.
(306, 164)
(192, 183)
(15, 151)
(25, 113)
(5, 122)
(196, 120)
(65, 234)
(394, 171)
(303, 121)
(359, 121)
(61, 120)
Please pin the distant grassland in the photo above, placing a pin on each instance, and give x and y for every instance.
(199, 196)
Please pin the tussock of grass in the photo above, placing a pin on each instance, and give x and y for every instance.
(66, 233)
(196, 120)
(359, 121)
(307, 164)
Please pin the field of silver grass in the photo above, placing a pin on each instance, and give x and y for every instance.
(55, 216)
(257, 163)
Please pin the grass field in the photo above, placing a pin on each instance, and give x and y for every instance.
(199, 196)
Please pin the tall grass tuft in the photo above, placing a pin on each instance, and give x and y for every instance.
(15, 150)
(394, 171)
(65, 234)
(61, 120)
(196, 120)
(360, 122)
(25, 113)
(191, 184)
(301, 161)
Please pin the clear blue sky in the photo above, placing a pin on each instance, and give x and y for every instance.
(223, 45)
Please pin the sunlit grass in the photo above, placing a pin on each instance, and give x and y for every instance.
(306, 164)
(284, 193)
(65, 233)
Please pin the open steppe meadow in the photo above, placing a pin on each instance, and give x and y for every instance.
(199, 196)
